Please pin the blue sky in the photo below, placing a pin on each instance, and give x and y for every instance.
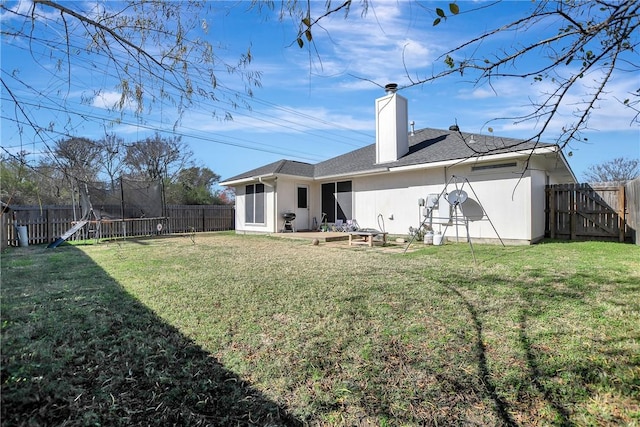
(314, 105)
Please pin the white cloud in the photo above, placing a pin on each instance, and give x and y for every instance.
(110, 100)
(281, 120)
(21, 7)
(374, 46)
(509, 99)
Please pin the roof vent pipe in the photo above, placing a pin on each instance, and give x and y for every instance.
(391, 88)
(412, 123)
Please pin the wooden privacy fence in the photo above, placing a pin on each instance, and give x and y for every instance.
(586, 212)
(45, 224)
(632, 196)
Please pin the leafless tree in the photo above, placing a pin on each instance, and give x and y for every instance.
(157, 157)
(77, 158)
(148, 52)
(617, 171)
(111, 155)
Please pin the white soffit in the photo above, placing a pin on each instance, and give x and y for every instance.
(474, 160)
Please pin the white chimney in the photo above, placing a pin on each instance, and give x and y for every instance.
(392, 136)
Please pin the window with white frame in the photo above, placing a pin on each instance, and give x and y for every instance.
(254, 204)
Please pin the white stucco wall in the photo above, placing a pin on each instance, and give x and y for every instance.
(241, 225)
(392, 199)
(240, 207)
(280, 197)
(285, 201)
(506, 199)
(504, 195)
(539, 179)
(514, 202)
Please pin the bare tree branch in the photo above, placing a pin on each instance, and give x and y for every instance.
(596, 44)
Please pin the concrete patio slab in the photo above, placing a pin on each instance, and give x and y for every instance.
(329, 236)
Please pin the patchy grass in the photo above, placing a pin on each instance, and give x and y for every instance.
(252, 330)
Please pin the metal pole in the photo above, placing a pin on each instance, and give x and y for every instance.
(429, 212)
(124, 226)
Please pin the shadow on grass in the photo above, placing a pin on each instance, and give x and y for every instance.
(537, 377)
(78, 350)
(596, 366)
(501, 406)
(592, 370)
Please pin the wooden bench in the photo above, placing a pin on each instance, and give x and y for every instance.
(367, 237)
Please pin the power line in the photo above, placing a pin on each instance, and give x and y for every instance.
(67, 109)
(182, 134)
(248, 99)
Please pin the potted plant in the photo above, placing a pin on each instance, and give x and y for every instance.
(420, 233)
(325, 226)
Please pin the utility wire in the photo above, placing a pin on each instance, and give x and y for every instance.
(267, 149)
(249, 99)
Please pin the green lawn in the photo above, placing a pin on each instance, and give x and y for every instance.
(250, 330)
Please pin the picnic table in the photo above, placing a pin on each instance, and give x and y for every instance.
(365, 236)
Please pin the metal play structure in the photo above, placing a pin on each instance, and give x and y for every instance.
(448, 209)
(115, 203)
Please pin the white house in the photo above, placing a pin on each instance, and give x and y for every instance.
(388, 184)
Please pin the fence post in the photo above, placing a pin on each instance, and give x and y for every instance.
(49, 230)
(553, 222)
(622, 220)
(572, 213)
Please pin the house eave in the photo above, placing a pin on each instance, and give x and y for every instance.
(566, 165)
(249, 180)
(269, 178)
(296, 177)
(474, 160)
(352, 174)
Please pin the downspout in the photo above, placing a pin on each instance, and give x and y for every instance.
(446, 181)
(265, 182)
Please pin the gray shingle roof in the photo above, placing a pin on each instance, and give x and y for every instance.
(425, 146)
(286, 167)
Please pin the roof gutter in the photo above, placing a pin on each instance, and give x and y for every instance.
(490, 157)
(250, 179)
(261, 181)
(350, 174)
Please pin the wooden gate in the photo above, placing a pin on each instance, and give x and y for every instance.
(583, 212)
